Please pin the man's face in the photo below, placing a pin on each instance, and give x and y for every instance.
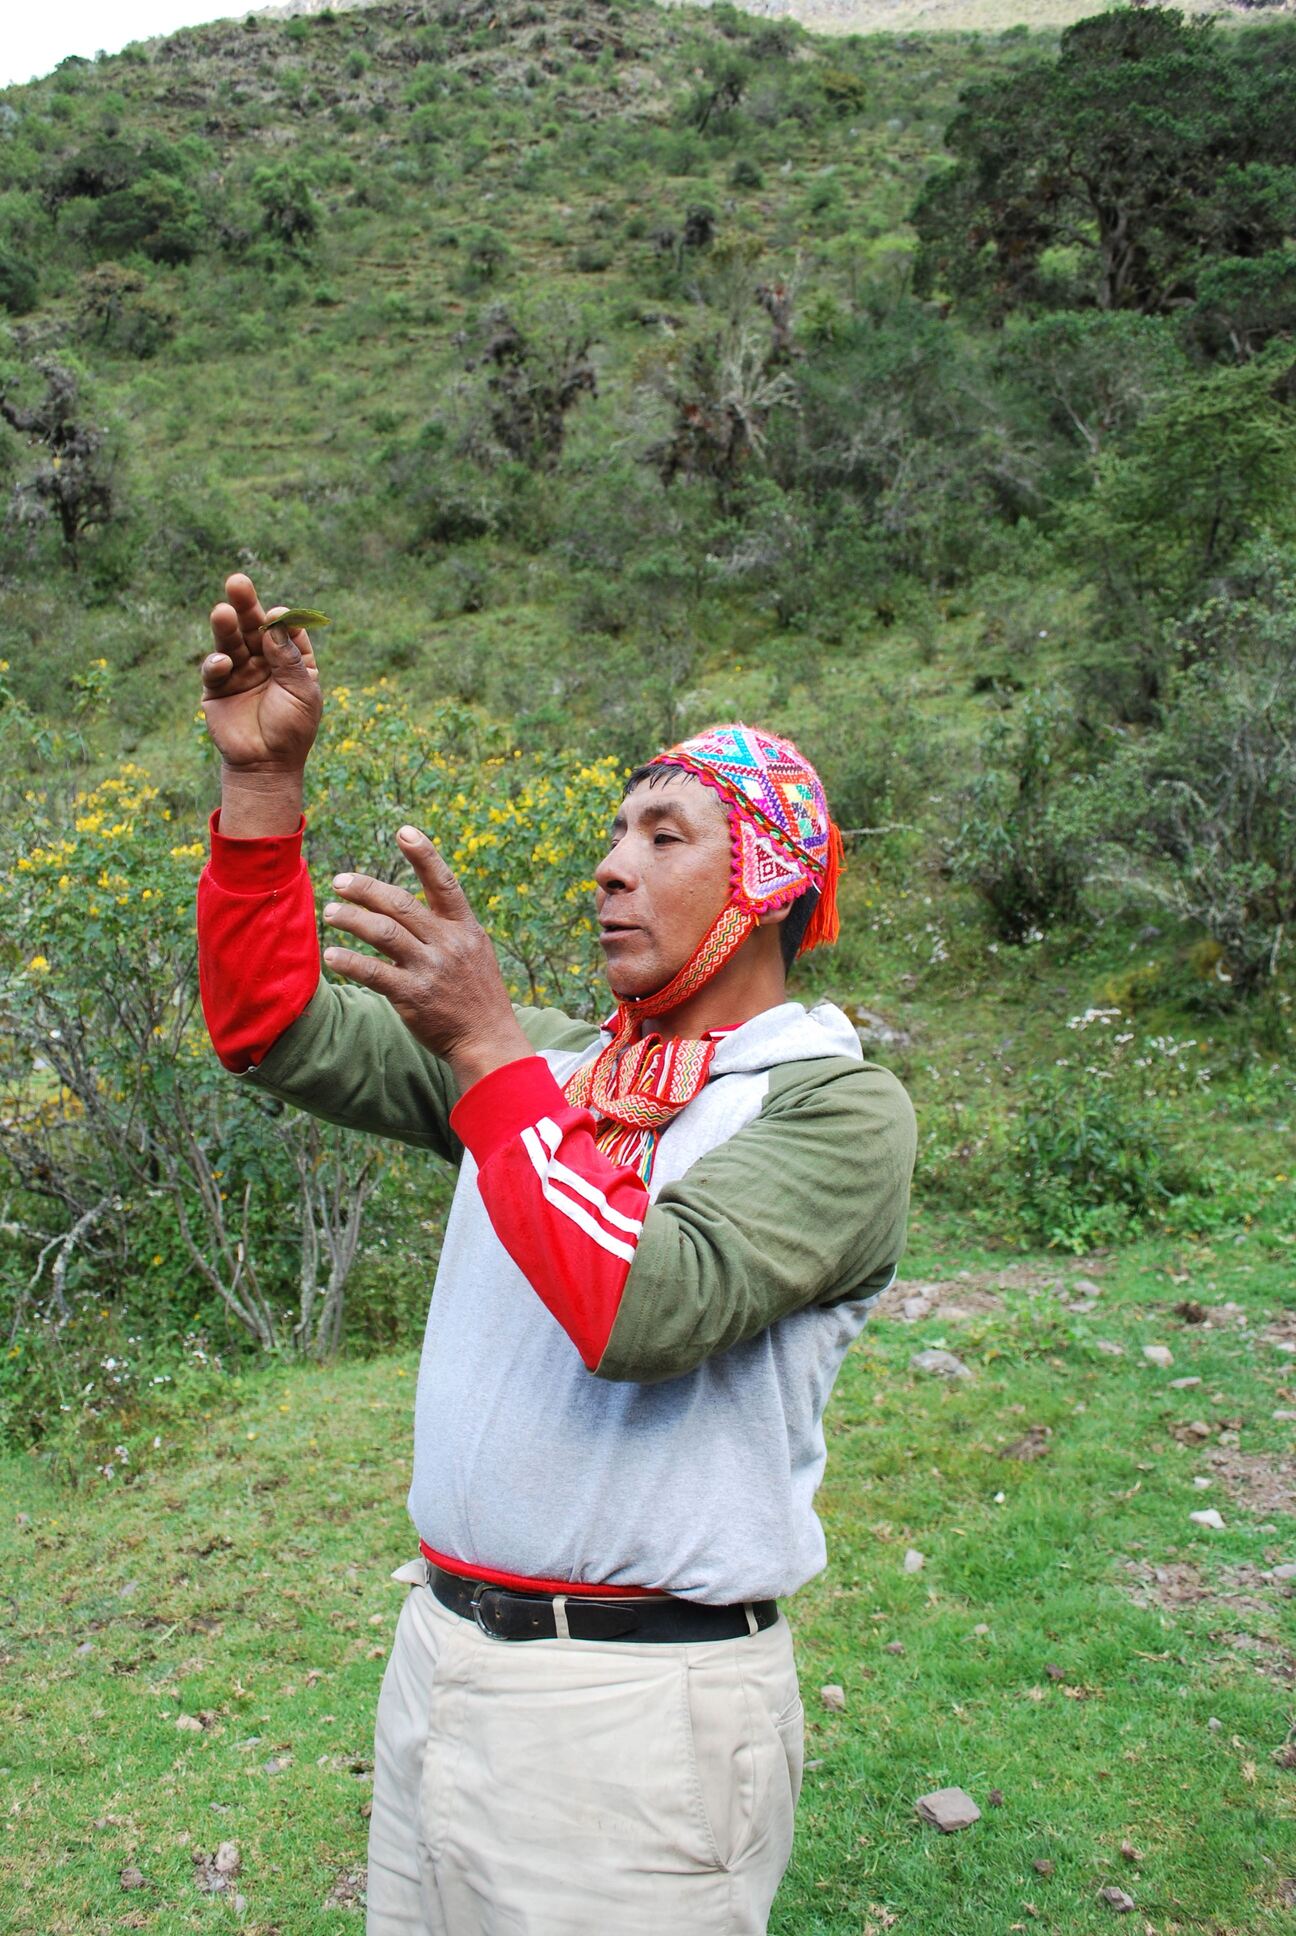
(663, 881)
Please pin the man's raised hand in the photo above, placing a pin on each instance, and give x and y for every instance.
(261, 690)
(441, 975)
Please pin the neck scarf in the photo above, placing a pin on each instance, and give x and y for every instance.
(782, 842)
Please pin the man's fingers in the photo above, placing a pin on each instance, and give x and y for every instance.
(227, 634)
(438, 881)
(242, 595)
(216, 668)
(380, 930)
(368, 970)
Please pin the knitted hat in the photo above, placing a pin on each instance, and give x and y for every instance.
(782, 836)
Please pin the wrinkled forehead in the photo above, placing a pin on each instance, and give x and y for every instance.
(659, 792)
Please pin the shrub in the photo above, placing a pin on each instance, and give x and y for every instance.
(1096, 1146)
(1205, 802)
(1194, 484)
(19, 284)
(157, 216)
(1094, 1149)
(289, 211)
(1022, 844)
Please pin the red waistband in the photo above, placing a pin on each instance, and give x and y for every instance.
(520, 1582)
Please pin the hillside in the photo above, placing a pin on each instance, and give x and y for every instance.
(887, 16)
(948, 16)
(605, 369)
(277, 394)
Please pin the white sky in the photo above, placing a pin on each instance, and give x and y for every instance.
(38, 34)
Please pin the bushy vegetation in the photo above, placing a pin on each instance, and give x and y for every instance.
(603, 370)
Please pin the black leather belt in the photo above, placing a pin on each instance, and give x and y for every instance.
(509, 1615)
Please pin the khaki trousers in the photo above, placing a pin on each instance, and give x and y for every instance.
(580, 1788)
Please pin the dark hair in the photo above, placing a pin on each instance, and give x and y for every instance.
(799, 915)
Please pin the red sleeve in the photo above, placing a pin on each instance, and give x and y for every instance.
(568, 1217)
(258, 946)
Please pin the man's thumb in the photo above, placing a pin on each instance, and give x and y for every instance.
(284, 656)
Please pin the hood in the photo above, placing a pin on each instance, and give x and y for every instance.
(788, 1033)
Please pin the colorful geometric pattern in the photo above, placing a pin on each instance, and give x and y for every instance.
(779, 823)
(634, 1088)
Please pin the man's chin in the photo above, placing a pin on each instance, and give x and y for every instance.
(632, 982)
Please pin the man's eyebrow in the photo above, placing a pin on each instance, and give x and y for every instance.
(654, 810)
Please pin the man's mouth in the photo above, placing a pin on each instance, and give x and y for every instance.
(615, 930)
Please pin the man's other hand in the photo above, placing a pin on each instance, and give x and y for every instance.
(261, 689)
(441, 975)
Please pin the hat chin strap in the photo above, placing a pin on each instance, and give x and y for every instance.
(721, 941)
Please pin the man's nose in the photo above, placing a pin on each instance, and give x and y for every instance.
(615, 872)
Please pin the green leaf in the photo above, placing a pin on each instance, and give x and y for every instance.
(295, 617)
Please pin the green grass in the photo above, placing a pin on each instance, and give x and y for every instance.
(240, 1578)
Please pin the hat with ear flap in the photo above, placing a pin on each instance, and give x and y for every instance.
(782, 836)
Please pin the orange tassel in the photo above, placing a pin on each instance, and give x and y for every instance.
(825, 924)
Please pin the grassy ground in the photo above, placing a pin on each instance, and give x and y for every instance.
(193, 1657)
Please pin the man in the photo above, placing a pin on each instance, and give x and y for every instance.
(662, 1241)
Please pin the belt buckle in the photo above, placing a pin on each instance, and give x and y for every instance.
(479, 1618)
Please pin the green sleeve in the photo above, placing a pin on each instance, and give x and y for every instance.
(806, 1205)
(349, 1059)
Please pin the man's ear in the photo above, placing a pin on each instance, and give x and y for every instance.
(772, 917)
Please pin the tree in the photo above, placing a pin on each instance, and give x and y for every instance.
(1205, 803)
(895, 429)
(1242, 304)
(1096, 375)
(725, 78)
(1203, 475)
(75, 474)
(289, 211)
(725, 387)
(1148, 150)
(19, 283)
(158, 216)
(1020, 844)
(533, 381)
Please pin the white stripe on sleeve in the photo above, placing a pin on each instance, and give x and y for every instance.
(541, 1163)
(551, 1136)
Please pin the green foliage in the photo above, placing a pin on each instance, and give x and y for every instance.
(486, 256)
(1022, 845)
(1207, 798)
(1097, 1146)
(1096, 1151)
(1244, 303)
(19, 284)
(158, 216)
(1201, 475)
(1147, 150)
(71, 474)
(289, 211)
(892, 416)
(1092, 376)
(148, 1180)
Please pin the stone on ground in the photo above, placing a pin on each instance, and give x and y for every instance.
(939, 1364)
(948, 1809)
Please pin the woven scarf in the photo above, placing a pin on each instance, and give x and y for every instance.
(782, 842)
